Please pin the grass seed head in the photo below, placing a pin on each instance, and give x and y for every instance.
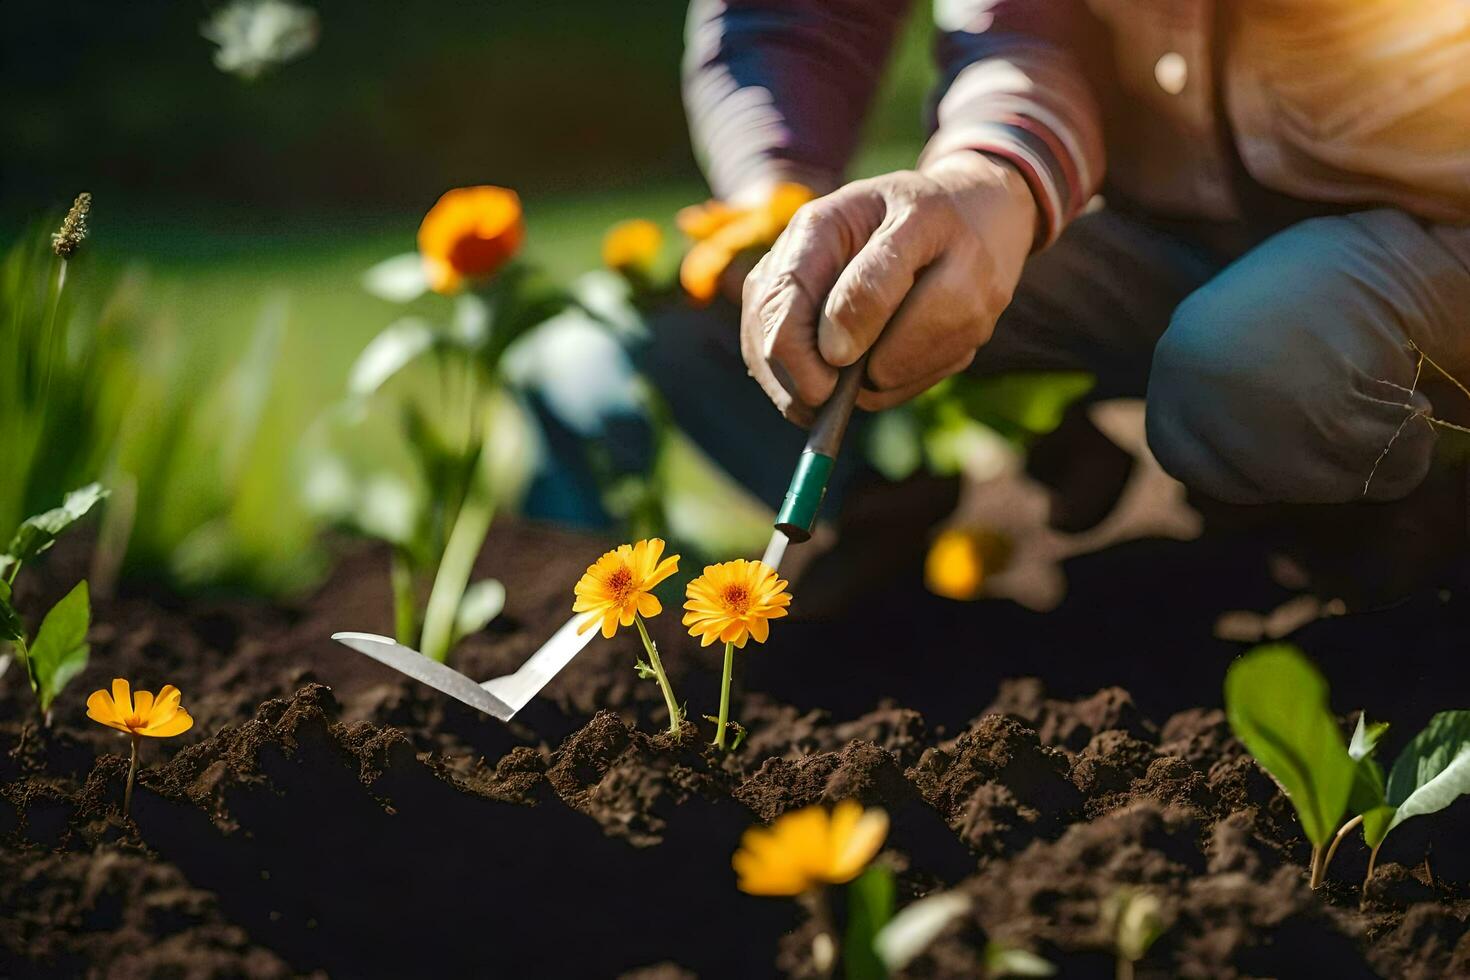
(73, 231)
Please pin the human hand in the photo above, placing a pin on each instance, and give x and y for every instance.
(916, 265)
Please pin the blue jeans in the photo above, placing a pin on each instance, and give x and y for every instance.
(1281, 370)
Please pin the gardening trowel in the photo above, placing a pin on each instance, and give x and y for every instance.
(502, 697)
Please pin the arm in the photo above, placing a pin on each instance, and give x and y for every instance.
(918, 265)
(1012, 86)
(776, 90)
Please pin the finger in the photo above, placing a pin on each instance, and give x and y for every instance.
(779, 315)
(870, 290)
(876, 401)
(935, 325)
(775, 383)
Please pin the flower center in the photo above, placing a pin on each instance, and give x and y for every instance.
(620, 583)
(737, 597)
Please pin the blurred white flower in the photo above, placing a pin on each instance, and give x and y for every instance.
(256, 35)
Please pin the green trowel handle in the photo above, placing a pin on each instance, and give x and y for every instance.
(803, 499)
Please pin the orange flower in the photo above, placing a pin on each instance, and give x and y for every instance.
(141, 713)
(632, 246)
(735, 601)
(722, 232)
(620, 584)
(961, 558)
(470, 234)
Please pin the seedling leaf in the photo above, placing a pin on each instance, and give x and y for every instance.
(913, 929)
(60, 651)
(1006, 961)
(869, 909)
(39, 533)
(1433, 770)
(1365, 737)
(645, 672)
(1276, 702)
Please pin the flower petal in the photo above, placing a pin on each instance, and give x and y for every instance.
(180, 722)
(649, 606)
(100, 708)
(122, 701)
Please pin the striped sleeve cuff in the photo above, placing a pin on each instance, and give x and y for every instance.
(1029, 153)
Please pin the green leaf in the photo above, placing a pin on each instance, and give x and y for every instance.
(896, 443)
(869, 908)
(913, 929)
(1433, 770)
(398, 346)
(1004, 961)
(645, 670)
(60, 651)
(1276, 702)
(39, 533)
(1365, 737)
(480, 603)
(1022, 405)
(11, 628)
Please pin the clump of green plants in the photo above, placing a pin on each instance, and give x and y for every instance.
(59, 650)
(1277, 705)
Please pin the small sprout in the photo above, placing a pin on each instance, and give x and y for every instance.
(1134, 920)
(722, 233)
(733, 602)
(67, 239)
(740, 730)
(912, 930)
(59, 651)
(1008, 961)
(140, 715)
(631, 248)
(1276, 702)
(469, 235)
(617, 590)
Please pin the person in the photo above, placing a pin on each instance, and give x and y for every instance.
(1255, 214)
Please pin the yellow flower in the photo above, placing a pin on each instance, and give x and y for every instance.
(809, 847)
(632, 246)
(734, 601)
(960, 558)
(469, 234)
(722, 232)
(620, 584)
(140, 713)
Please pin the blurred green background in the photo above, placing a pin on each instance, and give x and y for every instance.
(224, 204)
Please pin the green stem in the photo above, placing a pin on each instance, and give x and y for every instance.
(1372, 863)
(725, 695)
(14, 571)
(670, 701)
(1316, 878)
(405, 611)
(53, 305)
(132, 774)
(466, 539)
(25, 660)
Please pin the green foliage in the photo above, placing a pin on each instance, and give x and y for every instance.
(869, 908)
(11, 628)
(1433, 770)
(37, 534)
(1276, 702)
(952, 421)
(60, 650)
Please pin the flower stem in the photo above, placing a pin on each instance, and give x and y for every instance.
(1346, 828)
(675, 719)
(725, 695)
(1316, 879)
(405, 615)
(1372, 863)
(132, 774)
(466, 539)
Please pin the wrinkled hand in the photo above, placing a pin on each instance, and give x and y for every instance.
(916, 265)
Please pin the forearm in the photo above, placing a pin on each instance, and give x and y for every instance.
(1014, 88)
(776, 90)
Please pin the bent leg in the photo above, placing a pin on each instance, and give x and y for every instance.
(1294, 376)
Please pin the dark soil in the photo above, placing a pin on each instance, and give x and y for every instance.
(327, 817)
